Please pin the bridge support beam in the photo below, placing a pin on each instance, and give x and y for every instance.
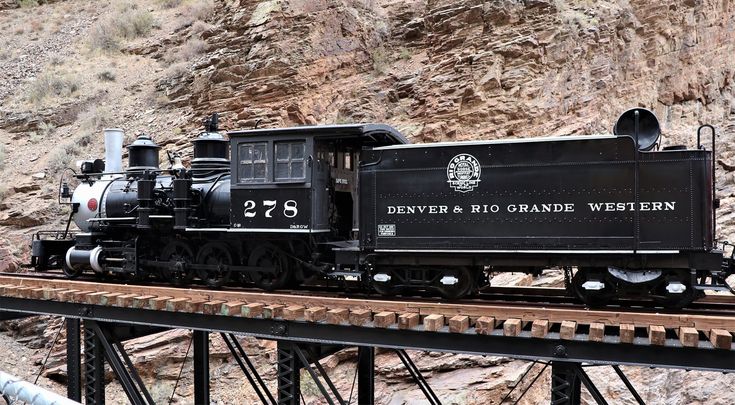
(366, 375)
(94, 367)
(567, 379)
(201, 367)
(74, 359)
(289, 374)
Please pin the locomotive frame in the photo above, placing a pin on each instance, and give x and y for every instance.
(306, 204)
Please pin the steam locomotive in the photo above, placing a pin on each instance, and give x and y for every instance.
(287, 206)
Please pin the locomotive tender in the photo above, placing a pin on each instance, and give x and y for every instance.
(281, 207)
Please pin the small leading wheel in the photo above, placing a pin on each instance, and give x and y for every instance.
(271, 257)
(179, 256)
(218, 259)
(455, 282)
(592, 287)
(71, 272)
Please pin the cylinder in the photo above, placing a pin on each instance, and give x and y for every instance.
(84, 259)
(113, 150)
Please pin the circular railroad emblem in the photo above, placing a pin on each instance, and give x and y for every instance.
(463, 173)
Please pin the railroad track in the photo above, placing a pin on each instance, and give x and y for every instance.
(505, 295)
(564, 321)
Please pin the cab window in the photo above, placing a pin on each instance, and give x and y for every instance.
(253, 162)
(290, 163)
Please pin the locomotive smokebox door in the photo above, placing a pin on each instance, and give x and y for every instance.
(271, 186)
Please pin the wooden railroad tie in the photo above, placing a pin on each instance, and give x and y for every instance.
(231, 308)
(627, 333)
(408, 321)
(459, 324)
(720, 339)
(433, 322)
(485, 325)
(256, 309)
(213, 307)
(540, 328)
(158, 303)
(315, 314)
(359, 317)
(176, 304)
(95, 298)
(142, 301)
(65, 295)
(125, 300)
(37, 293)
(23, 292)
(338, 316)
(512, 327)
(384, 319)
(51, 293)
(568, 330)
(657, 335)
(597, 332)
(194, 305)
(293, 313)
(273, 311)
(688, 336)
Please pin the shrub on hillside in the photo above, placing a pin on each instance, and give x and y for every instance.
(128, 22)
(51, 85)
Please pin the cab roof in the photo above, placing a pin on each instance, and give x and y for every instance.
(368, 134)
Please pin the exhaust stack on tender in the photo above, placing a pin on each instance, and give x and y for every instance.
(113, 150)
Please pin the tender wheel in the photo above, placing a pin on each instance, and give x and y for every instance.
(270, 256)
(591, 293)
(455, 282)
(180, 257)
(675, 291)
(215, 254)
(386, 287)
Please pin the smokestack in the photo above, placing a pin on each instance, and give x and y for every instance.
(113, 150)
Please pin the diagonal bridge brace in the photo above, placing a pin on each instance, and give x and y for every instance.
(122, 366)
(251, 373)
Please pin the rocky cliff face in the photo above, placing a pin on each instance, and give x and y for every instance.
(439, 70)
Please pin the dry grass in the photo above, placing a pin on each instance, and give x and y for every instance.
(128, 22)
(2, 156)
(58, 161)
(380, 60)
(44, 130)
(106, 76)
(170, 3)
(28, 3)
(174, 71)
(197, 10)
(51, 85)
(94, 119)
(200, 26)
(200, 10)
(188, 50)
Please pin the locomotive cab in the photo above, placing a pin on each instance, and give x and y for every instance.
(301, 180)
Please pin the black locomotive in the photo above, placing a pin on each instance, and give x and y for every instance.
(282, 207)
